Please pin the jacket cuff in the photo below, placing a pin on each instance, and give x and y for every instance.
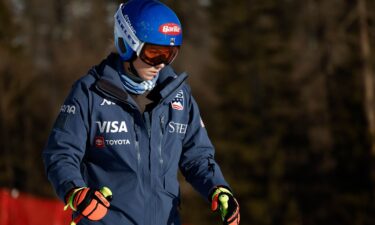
(66, 187)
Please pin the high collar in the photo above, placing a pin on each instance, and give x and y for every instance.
(167, 84)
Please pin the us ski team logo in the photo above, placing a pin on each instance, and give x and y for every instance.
(178, 101)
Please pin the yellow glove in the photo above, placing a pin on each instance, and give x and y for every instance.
(228, 207)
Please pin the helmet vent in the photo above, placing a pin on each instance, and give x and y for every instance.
(122, 45)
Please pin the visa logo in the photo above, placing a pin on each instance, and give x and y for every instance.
(112, 126)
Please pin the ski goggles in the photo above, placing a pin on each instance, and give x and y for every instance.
(155, 55)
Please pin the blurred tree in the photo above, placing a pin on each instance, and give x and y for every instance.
(368, 78)
(42, 50)
(290, 111)
(368, 74)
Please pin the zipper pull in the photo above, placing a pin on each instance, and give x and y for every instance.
(136, 141)
(162, 123)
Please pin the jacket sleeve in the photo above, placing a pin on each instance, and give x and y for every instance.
(197, 162)
(66, 144)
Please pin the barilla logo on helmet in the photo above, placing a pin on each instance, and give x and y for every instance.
(170, 29)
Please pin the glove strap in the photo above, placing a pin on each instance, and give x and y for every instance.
(220, 190)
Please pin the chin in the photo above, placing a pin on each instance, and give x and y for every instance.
(150, 76)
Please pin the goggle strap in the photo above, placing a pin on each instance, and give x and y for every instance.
(139, 49)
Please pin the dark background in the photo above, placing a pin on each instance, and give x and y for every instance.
(285, 88)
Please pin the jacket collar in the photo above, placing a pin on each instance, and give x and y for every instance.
(167, 85)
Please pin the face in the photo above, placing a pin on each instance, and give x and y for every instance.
(145, 71)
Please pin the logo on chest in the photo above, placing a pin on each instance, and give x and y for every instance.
(179, 128)
(100, 142)
(178, 101)
(106, 102)
(109, 127)
(112, 126)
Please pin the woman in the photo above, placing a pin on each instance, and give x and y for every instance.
(128, 126)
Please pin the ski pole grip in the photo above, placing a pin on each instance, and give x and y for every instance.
(106, 192)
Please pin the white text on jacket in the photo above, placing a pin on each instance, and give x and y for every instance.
(112, 126)
(179, 128)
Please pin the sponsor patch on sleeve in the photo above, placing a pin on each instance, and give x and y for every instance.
(66, 111)
(70, 109)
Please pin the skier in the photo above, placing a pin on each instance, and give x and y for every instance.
(129, 125)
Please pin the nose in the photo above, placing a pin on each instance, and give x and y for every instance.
(160, 66)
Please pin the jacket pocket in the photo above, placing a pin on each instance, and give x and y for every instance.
(172, 187)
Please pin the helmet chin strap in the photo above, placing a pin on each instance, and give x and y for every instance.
(132, 68)
(134, 73)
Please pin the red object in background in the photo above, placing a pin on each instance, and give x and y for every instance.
(23, 209)
(17, 208)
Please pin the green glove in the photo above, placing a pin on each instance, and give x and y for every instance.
(228, 207)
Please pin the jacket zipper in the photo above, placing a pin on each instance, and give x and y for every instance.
(136, 142)
(147, 121)
(161, 134)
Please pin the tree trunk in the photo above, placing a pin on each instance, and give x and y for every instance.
(367, 72)
(368, 79)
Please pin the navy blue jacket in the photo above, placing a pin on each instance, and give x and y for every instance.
(100, 138)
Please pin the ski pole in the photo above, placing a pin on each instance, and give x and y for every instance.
(106, 192)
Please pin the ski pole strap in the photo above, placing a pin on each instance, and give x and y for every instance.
(71, 199)
(220, 190)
